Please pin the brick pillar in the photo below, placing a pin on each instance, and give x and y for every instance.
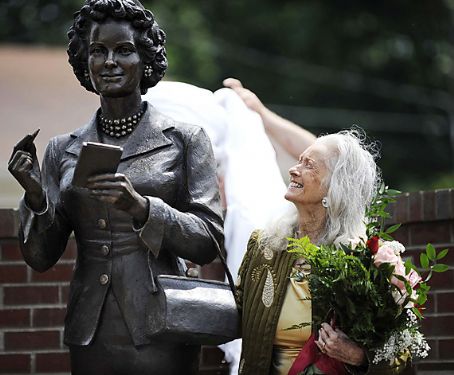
(32, 307)
(428, 217)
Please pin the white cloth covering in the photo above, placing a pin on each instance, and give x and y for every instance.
(254, 188)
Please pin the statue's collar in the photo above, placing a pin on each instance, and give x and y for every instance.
(147, 136)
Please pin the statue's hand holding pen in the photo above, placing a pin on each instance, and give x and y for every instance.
(117, 189)
(24, 167)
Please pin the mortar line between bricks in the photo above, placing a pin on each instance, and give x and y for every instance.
(20, 262)
(423, 246)
(410, 222)
(33, 329)
(37, 283)
(62, 338)
(29, 271)
(33, 362)
(419, 269)
(439, 315)
(33, 351)
(60, 295)
(441, 291)
(34, 306)
(438, 338)
(32, 320)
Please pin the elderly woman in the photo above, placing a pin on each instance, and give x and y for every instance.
(333, 182)
(162, 204)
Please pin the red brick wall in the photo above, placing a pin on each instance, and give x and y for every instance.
(32, 305)
(32, 308)
(429, 217)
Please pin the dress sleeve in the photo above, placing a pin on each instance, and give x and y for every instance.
(44, 235)
(195, 232)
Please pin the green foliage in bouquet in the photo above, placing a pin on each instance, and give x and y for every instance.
(342, 284)
(368, 298)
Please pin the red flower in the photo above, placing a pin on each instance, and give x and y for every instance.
(372, 244)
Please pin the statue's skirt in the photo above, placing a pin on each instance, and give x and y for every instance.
(113, 353)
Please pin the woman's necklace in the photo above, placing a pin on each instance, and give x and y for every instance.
(120, 127)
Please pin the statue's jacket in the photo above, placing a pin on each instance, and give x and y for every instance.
(168, 162)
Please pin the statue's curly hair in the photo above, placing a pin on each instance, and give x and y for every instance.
(149, 38)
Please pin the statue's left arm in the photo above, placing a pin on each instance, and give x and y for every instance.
(195, 231)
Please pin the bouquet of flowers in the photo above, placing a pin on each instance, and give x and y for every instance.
(377, 298)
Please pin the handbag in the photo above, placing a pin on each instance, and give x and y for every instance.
(194, 311)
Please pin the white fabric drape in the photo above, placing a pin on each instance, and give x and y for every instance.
(254, 188)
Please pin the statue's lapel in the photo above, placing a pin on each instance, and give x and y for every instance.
(149, 134)
(87, 133)
(146, 137)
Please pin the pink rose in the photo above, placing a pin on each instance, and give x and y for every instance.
(399, 269)
(385, 254)
(413, 278)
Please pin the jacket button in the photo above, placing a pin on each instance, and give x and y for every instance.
(102, 224)
(103, 279)
(105, 250)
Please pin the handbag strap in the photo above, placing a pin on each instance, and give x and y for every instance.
(223, 261)
(226, 268)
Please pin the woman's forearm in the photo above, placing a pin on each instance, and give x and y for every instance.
(291, 137)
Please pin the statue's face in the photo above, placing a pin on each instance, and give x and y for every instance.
(114, 63)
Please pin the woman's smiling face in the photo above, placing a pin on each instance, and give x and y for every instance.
(113, 59)
(307, 178)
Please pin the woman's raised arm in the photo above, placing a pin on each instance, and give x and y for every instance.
(291, 137)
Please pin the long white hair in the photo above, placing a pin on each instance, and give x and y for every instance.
(352, 184)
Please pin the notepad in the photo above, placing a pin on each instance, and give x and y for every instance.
(96, 158)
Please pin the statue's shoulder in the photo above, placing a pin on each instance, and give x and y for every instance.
(61, 141)
(170, 125)
(187, 129)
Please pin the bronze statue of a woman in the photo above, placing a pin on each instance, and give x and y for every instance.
(161, 205)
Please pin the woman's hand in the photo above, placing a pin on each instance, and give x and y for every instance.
(24, 167)
(249, 98)
(117, 190)
(337, 345)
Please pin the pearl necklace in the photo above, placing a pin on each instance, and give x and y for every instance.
(120, 127)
